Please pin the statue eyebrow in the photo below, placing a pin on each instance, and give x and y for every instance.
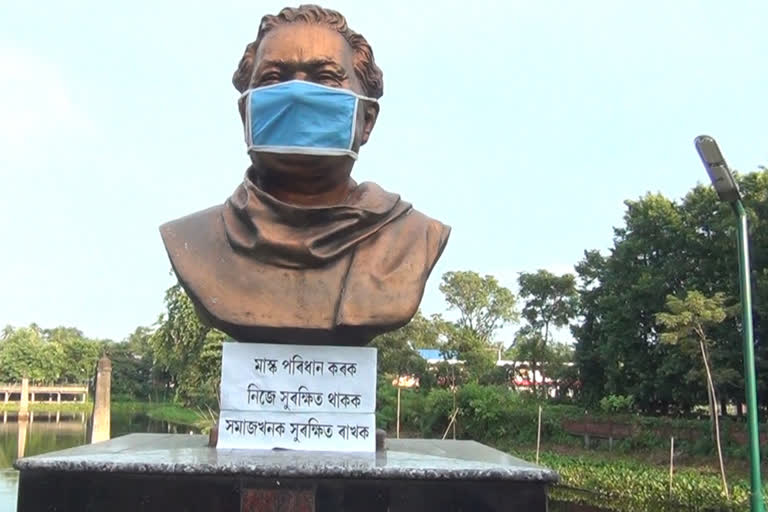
(307, 65)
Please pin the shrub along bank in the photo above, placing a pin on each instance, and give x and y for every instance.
(627, 484)
(493, 414)
(508, 421)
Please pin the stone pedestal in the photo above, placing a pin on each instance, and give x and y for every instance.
(170, 472)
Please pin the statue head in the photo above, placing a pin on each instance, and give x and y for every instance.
(312, 44)
(300, 253)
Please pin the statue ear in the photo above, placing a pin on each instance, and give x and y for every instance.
(241, 79)
(241, 108)
(371, 113)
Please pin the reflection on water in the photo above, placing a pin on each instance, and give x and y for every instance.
(50, 431)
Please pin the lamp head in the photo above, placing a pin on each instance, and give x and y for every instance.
(726, 187)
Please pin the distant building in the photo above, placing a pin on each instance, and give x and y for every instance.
(524, 378)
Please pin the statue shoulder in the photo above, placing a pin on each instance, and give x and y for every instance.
(192, 227)
(418, 231)
(386, 279)
(194, 241)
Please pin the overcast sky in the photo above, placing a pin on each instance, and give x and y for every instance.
(523, 125)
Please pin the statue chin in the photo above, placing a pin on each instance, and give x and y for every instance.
(297, 165)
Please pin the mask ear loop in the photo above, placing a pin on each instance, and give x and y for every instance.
(354, 124)
(246, 98)
(358, 99)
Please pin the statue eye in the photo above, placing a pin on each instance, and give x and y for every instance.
(269, 78)
(329, 78)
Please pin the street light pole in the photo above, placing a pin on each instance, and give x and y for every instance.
(728, 191)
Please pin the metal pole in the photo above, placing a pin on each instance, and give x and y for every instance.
(756, 498)
(671, 464)
(398, 412)
(453, 385)
(538, 437)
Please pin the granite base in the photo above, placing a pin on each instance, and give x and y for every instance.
(167, 472)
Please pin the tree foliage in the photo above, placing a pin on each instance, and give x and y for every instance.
(135, 375)
(483, 304)
(663, 248)
(187, 350)
(549, 302)
(397, 350)
(688, 321)
(47, 356)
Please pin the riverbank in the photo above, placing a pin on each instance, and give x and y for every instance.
(161, 411)
(626, 482)
(168, 412)
(636, 480)
(50, 406)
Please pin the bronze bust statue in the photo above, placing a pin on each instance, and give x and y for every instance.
(301, 253)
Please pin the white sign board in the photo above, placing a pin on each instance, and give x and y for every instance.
(298, 397)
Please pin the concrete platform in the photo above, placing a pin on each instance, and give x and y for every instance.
(168, 472)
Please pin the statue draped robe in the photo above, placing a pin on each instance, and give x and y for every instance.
(262, 270)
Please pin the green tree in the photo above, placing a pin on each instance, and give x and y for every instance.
(24, 353)
(134, 373)
(483, 304)
(6, 332)
(425, 332)
(62, 334)
(79, 357)
(479, 356)
(550, 302)
(187, 350)
(665, 247)
(618, 345)
(397, 354)
(688, 322)
(79, 354)
(590, 333)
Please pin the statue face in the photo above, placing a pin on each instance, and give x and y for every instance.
(315, 53)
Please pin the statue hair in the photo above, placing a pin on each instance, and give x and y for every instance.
(367, 71)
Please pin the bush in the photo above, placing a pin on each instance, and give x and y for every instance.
(504, 418)
(438, 409)
(630, 485)
(412, 407)
(617, 404)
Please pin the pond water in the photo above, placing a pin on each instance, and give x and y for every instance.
(51, 431)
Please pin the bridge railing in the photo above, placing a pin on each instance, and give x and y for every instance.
(50, 392)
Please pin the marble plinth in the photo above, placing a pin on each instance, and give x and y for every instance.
(168, 472)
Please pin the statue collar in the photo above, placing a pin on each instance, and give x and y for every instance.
(285, 235)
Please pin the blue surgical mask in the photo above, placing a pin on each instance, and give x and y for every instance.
(300, 117)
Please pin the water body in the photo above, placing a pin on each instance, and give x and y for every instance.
(51, 431)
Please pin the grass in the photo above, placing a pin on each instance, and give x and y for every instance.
(659, 459)
(166, 411)
(635, 484)
(49, 406)
(161, 411)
